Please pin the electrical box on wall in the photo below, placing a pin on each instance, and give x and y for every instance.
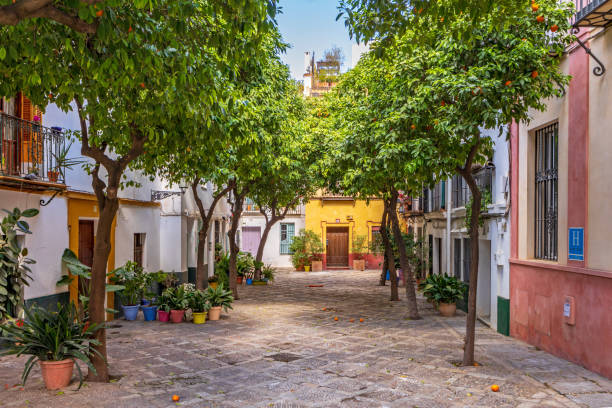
(569, 310)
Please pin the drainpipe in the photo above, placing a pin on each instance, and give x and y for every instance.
(448, 224)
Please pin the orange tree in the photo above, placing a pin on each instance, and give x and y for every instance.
(142, 79)
(484, 79)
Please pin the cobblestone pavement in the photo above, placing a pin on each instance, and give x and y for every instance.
(278, 348)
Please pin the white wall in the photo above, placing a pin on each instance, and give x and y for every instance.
(47, 242)
(132, 219)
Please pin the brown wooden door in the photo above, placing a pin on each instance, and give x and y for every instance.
(337, 246)
(86, 249)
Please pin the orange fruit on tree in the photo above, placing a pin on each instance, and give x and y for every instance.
(554, 28)
(495, 388)
(534, 74)
(413, 126)
(443, 103)
(142, 85)
(535, 7)
(50, 96)
(540, 18)
(99, 13)
(130, 29)
(508, 83)
(175, 398)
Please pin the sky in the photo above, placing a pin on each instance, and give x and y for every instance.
(310, 25)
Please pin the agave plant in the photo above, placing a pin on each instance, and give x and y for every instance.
(47, 335)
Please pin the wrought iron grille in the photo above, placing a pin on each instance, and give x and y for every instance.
(546, 193)
(425, 200)
(593, 13)
(461, 193)
(30, 150)
(287, 232)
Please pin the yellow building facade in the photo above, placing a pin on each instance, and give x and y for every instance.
(338, 220)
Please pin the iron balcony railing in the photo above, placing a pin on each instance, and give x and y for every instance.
(461, 191)
(592, 13)
(30, 150)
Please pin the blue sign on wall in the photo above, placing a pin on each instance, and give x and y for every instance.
(576, 244)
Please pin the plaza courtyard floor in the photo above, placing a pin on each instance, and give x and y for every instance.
(279, 348)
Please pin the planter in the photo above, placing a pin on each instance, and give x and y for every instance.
(214, 313)
(199, 317)
(176, 316)
(447, 309)
(149, 313)
(260, 282)
(317, 266)
(130, 312)
(213, 284)
(56, 374)
(359, 264)
(307, 268)
(239, 280)
(249, 281)
(163, 316)
(52, 176)
(145, 302)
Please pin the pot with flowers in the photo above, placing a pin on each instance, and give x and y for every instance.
(178, 303)
(218, 298)
(54, 339)
(198, 302)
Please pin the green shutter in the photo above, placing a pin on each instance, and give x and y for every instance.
(503, 315)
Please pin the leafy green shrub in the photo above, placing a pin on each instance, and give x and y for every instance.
(51, 336)
(268, 272)
(176, 298)
(442, 288)
(305, 248)
(245, 263)
(220, 296)
(360, 246)
(198, 301)
(222, 269)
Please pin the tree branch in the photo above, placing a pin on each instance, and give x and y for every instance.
(13, 14)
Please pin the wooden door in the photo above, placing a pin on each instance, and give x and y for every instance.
(250, 239)
(86, 249)
(337, 246)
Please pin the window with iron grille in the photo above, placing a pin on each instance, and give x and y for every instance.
(439, 196)
(467, 257)
(287, 231)
(426, 200)
(457, 258)
(139, 241)
(546, 194)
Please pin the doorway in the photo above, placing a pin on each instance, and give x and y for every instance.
(86, 250)
(483, 298)
(250, 239)
(337, 246)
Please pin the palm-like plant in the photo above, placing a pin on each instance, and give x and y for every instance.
(198, 301)
(51, 336)
(442, 288)
(220, 296)
(176, 298)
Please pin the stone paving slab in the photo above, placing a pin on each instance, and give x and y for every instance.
(278, 348)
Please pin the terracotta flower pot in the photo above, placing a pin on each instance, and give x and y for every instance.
(214, 313)
(56, 374)
(199, 317)
(447, 309)
(359, 264)
(239, 280)
(176, 316)
(317, 266)
(213, 284)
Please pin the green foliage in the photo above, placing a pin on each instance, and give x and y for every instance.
(134, 280)
(415, 250)
(305, 247)
(220, 296)
(51, 336)
(14, 269)
(442, 288)
(268, 272)
(486, 199)
(222, 269)
(212, 279)
(175, 298)
(198, 301)
(245, 263)
(63, 162)
(360, 246)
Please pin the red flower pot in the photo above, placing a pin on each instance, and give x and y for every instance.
(163, 316)
(176, 316)
(239, 280)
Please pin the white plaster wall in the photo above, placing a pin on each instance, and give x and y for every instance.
(132, 219)
(47, 242)
(170, 244)
(272, 255)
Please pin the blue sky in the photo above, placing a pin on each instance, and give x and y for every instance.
(310, 25)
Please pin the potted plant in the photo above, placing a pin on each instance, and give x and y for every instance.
(213, 281)
(178, 302)
(316, 263)
(149, 308)
(134, 280)
(359, 246)
(198, 302)
(218, 298)
(244, 265)
(443, 291)
(163, 307)
(55, 339)
(62, 163)
(305, 247)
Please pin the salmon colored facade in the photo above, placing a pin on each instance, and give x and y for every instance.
(340, 219)
(562, 303)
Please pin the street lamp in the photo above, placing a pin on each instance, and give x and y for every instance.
(157, 195)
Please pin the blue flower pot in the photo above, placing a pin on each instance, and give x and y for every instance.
(249, 281)
(387, 274)
(130, 312)
(150, 312)
(145, 302)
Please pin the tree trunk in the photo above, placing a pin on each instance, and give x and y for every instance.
(383, 273)
(470, 326)
(201, 273)
(389, 256)
(262, 244)
(413, 309)
(234, 249)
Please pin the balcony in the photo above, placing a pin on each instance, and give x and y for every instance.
(461, 191)
(30, 151)
(592, 13)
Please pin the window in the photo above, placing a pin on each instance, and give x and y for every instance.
(139, 240)
(457, 258)
(287, 231)
(217, 232)
(467, 256)
(439, 196)
(546, 194)
(430, 253)
(250, 206)
(440, 264)
(376, 234)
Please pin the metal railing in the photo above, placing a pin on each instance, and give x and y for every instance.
(30, 150)
(592, 13)
(461, 191)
